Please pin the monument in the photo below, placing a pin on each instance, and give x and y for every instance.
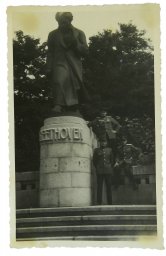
(65, 139)
(66, 46)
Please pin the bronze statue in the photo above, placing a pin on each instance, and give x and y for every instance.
(66, 46)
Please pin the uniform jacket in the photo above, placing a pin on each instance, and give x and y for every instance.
(106, 126)
(103, 160)
(64, 61)
(128, 153)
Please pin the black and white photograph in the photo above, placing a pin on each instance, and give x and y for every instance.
(84, 87)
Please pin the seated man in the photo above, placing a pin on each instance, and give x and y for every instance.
(103, 162)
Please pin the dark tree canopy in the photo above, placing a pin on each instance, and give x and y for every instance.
(31, 104)
(29, 67)
(118, 73)
(120, 70)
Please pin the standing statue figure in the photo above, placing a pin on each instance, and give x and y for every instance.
(66, 46)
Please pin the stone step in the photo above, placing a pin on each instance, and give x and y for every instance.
(87, 220)
(90, 210)
(88, 238)
(84, 230)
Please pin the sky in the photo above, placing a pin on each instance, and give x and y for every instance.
(38, 21)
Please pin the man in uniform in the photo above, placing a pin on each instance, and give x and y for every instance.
(103, 162)
(127, 156)
(106, 128)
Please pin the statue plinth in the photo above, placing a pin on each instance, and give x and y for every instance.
(65, 162)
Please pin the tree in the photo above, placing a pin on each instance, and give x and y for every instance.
(29, 64)
(120, 70)
(31, 99)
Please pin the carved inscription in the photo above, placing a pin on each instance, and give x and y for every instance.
(61, 134)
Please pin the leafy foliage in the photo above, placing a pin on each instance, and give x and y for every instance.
(31, 100)
(120, 70)
(29, 64)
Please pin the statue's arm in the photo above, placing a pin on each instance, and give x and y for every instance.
(81, 46)
(49, 60)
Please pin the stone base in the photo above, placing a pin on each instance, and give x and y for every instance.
(65, 169)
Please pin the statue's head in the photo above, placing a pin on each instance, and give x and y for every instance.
(64, 19)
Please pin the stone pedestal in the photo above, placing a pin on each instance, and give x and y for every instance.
(65, 162)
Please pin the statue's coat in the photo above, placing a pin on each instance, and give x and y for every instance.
(65, 64)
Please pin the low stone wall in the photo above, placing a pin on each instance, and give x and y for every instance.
(146, 188)
(27, 190)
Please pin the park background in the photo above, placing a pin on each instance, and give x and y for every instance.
(118, 72)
